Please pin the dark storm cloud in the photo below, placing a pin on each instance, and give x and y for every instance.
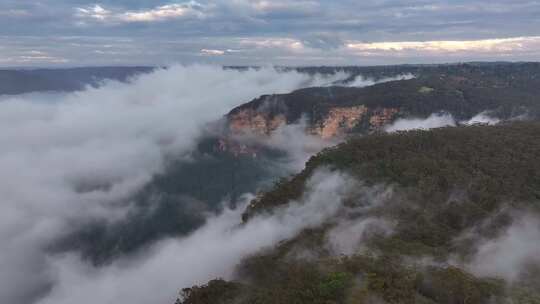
(253, 31)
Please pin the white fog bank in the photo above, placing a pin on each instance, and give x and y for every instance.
(66, 159)
(211, 252)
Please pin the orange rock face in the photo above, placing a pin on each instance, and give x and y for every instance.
(339, 121)
(255, 122)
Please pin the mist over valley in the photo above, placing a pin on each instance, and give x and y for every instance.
(269, 152)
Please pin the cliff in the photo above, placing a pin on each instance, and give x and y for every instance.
(463, 91)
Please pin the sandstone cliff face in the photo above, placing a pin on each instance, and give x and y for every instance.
(256, 122)
(339, 121)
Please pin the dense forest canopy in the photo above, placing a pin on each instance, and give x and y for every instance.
(445, 192)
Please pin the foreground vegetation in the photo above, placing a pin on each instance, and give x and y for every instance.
(443, 182)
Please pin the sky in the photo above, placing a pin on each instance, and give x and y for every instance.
(260, 32)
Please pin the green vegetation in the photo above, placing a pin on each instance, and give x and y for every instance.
(476, 167)
(444, 183)
(355, 279)
(216, 291)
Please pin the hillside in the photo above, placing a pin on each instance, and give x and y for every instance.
(506, 91)
(417, 226)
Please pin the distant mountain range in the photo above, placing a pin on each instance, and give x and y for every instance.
(18, 81)
(62, 80)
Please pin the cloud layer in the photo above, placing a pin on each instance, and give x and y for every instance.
(212, 251)
(439, 120)
(68, 159)
(436, 120)
(507, 256)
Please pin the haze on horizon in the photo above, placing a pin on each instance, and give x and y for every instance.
(62, 33)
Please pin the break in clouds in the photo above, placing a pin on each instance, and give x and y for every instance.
(69, 159)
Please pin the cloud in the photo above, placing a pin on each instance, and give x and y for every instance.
(212, 251)
(483, 118)
(95, 12)
(33, 57)
(159, 13)
(38, 59)
(298, 143)
(164, 12)
(349, 233)
(243, 49)
(448, 47)
(68, 159)
(437, 120)
(340, 32)
(212, 52)
(17, 13)
(293, 139)
(323, 41)
(361, 81)
(508, 255)
(289, 44)
(285, 8)
(347, 237)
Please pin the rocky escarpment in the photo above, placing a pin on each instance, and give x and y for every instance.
(340, 120)
(332, 123)
(335, 122)
(256, 122)
(462, 92)
(324, 117)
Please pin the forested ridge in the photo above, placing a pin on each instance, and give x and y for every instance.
(443, 184)
(464, 90)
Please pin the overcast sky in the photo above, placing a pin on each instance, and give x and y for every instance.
(256, 32)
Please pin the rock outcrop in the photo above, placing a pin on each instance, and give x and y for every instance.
(339, 121)
(256, 122)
